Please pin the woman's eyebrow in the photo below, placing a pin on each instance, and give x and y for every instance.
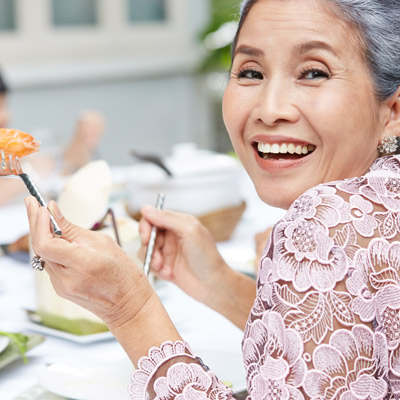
(249, 50)
(300, 48)
(305, 47)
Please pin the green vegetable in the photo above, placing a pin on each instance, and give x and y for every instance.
(78, 326)
(20, 340)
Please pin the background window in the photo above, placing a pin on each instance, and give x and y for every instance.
(7, 15)
(74, 13)
(146, 10)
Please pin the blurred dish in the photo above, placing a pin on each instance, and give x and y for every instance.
(105, 379)
(203, 181)
(94, 379)
(4, 341)
(227, 365)
(95, 337)
(12, 352)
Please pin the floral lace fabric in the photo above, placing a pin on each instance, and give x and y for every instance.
(325, 323)
(326, 320)
(183, 380)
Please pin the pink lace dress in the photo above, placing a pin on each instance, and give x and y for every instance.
(326, 320)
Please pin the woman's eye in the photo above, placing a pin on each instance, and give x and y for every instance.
(250, 74)
(314, 74)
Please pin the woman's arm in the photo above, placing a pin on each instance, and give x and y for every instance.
(90, 269)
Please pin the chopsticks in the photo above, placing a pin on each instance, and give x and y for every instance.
(153, 234)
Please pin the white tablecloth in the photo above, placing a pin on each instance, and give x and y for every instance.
(200, 326)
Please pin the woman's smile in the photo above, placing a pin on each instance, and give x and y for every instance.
(280, 155)
(283, 150)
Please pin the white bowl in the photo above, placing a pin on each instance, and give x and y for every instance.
(200, 184)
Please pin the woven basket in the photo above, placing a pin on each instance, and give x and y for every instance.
(221, 223)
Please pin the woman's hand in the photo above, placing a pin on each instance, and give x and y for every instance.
(185, 253)
(88, 268)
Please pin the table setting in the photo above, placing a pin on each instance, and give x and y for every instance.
(64, 359)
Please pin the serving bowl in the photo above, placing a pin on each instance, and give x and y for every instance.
(203, 183)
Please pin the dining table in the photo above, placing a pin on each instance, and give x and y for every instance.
(52, 365)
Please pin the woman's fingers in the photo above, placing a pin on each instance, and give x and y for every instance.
(43, 241)
(32, 207)
(69, 231)
(53, 249)
(178, 223)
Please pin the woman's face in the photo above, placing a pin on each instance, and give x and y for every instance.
(299, 84)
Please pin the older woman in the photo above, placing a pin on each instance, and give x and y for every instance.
(312, 102)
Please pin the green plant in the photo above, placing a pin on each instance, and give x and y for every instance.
(20, 341)
(217, 57)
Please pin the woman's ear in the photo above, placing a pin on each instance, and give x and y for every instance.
(392, 123)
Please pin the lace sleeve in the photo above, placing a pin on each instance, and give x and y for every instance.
(326, 320)
(174, 372)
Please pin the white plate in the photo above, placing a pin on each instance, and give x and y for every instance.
(95, 379)
(4, 341)
(95, 337)
(227, 366)
(105, 379)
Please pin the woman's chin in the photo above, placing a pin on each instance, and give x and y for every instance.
(278, 201)
(279, 195)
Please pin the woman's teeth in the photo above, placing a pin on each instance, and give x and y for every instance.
(284, 148)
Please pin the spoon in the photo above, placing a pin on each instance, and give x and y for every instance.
(151, 158)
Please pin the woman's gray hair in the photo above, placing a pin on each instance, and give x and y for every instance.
(378, 24)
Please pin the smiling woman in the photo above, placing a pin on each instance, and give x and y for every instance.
(313, 111)
(305, 89)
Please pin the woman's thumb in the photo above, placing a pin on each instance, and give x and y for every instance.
(69, 231)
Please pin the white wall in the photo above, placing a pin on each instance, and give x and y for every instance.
(145, 87)
(143, 113)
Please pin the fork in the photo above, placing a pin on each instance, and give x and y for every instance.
(10, 165)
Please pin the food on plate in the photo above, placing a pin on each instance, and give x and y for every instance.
(20, 341)
(17, 143)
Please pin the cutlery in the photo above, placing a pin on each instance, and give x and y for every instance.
(153, 234)
(151, 158)
(10, 165)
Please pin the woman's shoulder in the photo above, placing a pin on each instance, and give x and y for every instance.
(377, 189)
(331, 223)
(348, 213)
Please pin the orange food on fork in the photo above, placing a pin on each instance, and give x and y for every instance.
(17, 143)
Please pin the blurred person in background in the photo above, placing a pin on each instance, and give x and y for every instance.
(44, 168)
(82, 148)
(84, 144)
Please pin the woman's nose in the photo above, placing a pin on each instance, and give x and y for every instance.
(276, 104)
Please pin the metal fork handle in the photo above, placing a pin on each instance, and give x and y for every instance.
(153, 234)
(33, 190)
